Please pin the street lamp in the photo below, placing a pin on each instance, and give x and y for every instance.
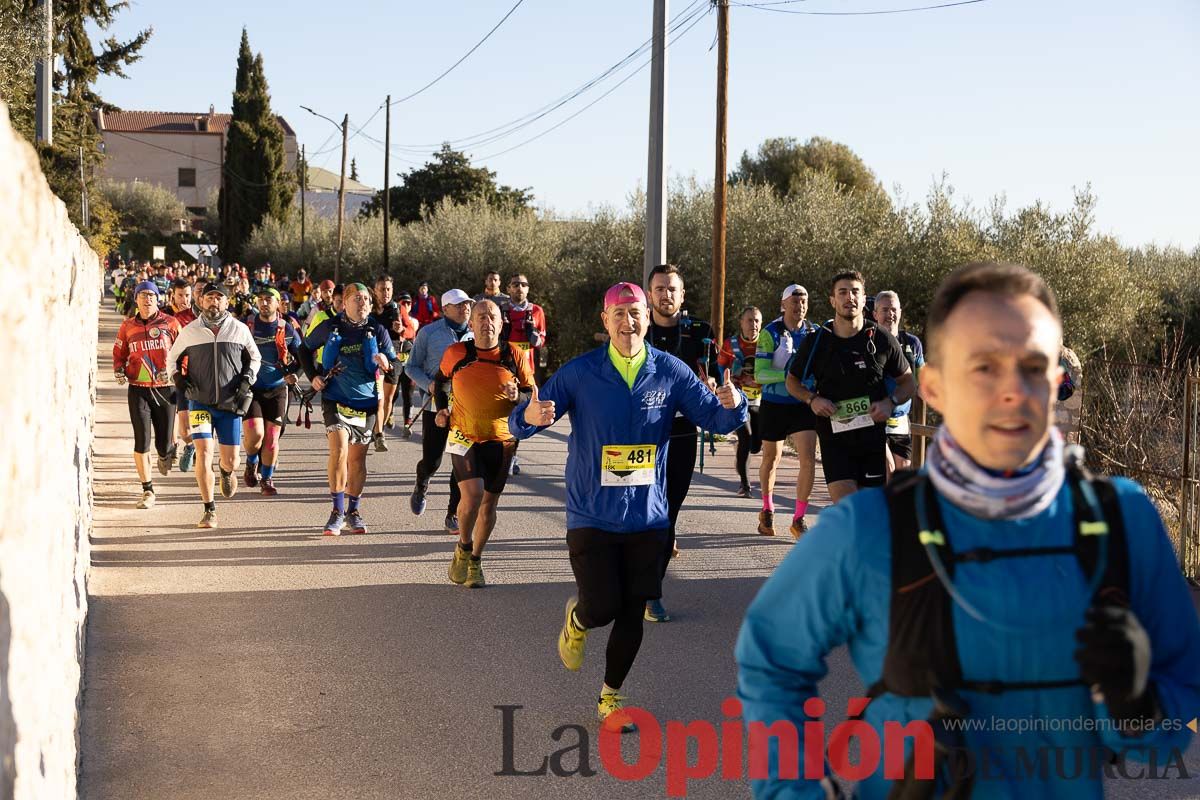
(341, 207)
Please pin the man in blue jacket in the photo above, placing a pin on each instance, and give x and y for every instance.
(622, 400)
(1028, 613)
(422, 368)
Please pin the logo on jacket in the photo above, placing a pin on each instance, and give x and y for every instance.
(654, 400)
(155, 333)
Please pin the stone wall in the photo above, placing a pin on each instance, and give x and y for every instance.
(51, 283)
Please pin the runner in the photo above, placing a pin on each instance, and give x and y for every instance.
(278, 346)
(353, 348)
(407, 333)
(181, 309)
(781, 416)
(422, 367)
(139, 359)
(1090, 624)
(691, 341)
(524, 326)
(386, 312)
(622, 400)
(491, 291)
(840, 373)
(426, 307)
(214, 363)
(737, 356)
(486, 374)
(899, 434)
(322, 298)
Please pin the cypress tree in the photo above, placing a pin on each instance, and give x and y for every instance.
(256, 183)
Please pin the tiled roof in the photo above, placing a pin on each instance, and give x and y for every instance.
(172, 122)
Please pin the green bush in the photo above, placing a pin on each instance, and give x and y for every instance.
(819, 229)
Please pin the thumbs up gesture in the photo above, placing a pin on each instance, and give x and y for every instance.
(539, 412)
(728, 394)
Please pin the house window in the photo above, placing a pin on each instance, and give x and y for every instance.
(197, 211)
(187, 177)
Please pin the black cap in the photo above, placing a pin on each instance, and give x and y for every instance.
(405, 296)
(209, 288)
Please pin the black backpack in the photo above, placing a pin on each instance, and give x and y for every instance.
(472, 355)
(922, 657)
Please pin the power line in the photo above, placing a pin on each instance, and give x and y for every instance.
(597, 100)
(694, 11)
(464, 58)
(770, 7)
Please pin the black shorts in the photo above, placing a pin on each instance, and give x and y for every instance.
(487, 460)
(610, 566)
(853, 455)
(269, 404)
(778, 421)
(359, 424)
(393, 378)
(901, 445)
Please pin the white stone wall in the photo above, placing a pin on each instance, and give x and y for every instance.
(51, 283)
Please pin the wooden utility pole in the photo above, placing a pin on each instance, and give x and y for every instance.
(341, 212)
(656, 172)
(718, 267)
(303, 186)
(387, 195)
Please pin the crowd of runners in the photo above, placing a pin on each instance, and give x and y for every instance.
(220, 354)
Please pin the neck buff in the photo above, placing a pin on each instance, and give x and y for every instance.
(458, 329)
(215, 320)
(985, 494)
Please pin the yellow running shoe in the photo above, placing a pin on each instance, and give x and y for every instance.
(572, 639)
(474, 574)
(458, 565)
(611, 708)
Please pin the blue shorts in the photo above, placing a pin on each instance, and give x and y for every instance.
(205, 420)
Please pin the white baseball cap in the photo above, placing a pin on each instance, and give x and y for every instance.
(793, 288)
(454, 297)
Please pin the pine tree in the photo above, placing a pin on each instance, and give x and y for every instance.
(353, 169)
(256, 183)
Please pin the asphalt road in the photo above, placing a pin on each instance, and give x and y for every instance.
(263, 660)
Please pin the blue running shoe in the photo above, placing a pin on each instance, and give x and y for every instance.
(187, 457)
(337, 521)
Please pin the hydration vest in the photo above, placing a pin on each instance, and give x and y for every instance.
(284, 357)
(472, 355)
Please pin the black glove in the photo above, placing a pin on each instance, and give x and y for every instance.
(242, 398)
(1114, 656)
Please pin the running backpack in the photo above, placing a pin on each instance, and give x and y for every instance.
(284, 357)
(472, 355)
(922, 656)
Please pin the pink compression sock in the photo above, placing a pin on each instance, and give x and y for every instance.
(768, 503)
(801, 508)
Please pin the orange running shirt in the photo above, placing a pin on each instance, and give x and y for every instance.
(480, 410)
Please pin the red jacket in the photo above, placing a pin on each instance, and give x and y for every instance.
(184, 316)
(426, 309)
(141, 347)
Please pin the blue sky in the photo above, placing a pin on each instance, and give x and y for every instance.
(1021, 98)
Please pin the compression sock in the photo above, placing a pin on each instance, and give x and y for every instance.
(768, 502)
(353, 505)
(251, 460)
(801, 509)
(339, 501)
(267, 471)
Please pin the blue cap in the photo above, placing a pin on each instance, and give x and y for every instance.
(145, 286)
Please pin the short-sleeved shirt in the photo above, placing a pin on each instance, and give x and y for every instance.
(480, 410)
(848, 368)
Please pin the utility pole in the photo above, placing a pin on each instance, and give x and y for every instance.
(303, 186)
(656, 178)
(337, 267)
(718, 267)
(387, 195)
(44, 77)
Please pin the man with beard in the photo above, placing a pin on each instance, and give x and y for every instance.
(691, 341)
(214, 363)
(180, 307)
(278, 345)
(841, 374)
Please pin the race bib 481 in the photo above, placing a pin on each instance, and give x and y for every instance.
(627, 464)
